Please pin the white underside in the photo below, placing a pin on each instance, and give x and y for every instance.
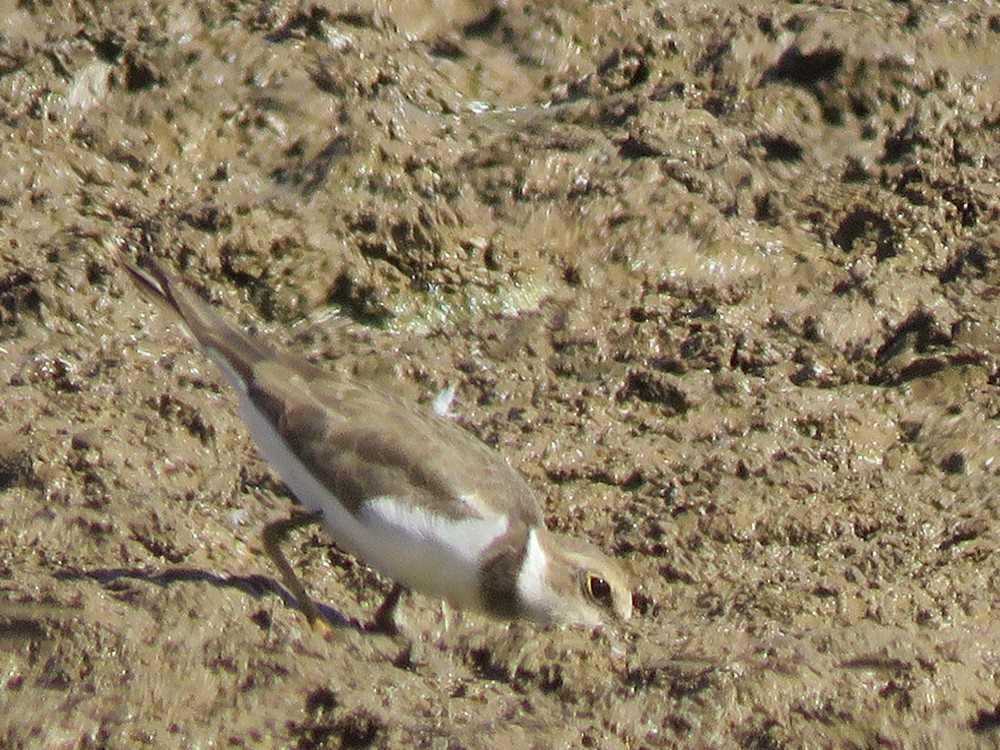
(432, 554)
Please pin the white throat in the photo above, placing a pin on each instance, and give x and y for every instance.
(532, 587)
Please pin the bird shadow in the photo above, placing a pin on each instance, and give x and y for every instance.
(256, 586)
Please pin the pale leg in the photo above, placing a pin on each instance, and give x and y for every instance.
(274, 534)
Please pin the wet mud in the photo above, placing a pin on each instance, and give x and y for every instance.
(722, 280)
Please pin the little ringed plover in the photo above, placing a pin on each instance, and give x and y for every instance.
(408, 492)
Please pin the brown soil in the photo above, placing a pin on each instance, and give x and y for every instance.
(722, 280)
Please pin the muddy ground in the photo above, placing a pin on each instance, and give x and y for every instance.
(721, 279)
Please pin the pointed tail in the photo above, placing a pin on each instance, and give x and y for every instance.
(219, 339)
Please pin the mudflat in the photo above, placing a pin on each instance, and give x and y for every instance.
(722, 280)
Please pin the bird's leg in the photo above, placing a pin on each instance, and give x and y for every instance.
(274, 534)
(385, 617)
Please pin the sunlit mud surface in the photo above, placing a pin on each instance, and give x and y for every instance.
(722, 280)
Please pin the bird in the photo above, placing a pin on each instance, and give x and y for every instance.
(411, 494)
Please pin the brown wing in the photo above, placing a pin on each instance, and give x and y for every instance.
(362, 443)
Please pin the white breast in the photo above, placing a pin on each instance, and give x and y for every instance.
(429, 553)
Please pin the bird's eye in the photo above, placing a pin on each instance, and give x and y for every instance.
(598, 589)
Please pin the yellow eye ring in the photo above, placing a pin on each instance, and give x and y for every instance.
(598, 589)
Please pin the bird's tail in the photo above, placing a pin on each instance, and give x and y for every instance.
(222, 341)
